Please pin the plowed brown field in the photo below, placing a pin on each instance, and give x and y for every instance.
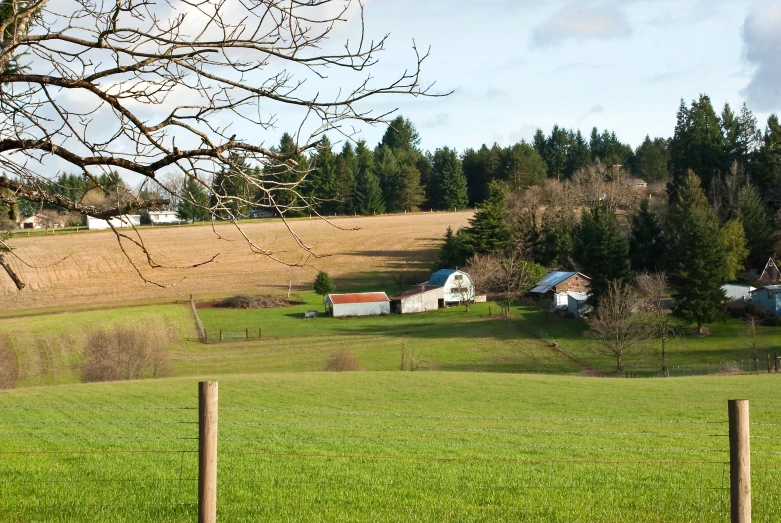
(96, 272)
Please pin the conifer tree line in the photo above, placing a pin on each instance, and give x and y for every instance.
(710, 212)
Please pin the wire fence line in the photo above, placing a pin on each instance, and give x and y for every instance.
(273, 461)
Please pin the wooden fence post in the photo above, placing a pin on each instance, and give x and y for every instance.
(207, 452)
(739, 461)
(775, 360)
(768, 363)
(220, 334)
(246, 333)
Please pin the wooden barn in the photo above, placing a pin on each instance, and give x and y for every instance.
(554, 287)
(424, 298)
(358, 304)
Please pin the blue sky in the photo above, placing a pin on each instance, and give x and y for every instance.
(516, 65)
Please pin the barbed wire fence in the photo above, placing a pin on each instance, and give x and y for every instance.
(113, 463)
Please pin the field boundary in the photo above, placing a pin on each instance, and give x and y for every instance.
(556, 348)
(198, 323)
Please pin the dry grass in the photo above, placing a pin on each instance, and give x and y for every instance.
(341, 361)
(9, 367)
(96, 272)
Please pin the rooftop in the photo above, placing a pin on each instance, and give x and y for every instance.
(361, 297)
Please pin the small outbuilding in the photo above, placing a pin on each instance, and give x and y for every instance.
(163, 217)
(424, 298)
(737, 292)
(358, 304)
(457, 286)
(126, 220)
(555, 286)
(576, 304)
(768, 297)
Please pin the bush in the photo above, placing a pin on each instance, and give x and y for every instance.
(341, 361)
(323, 284)
(9, 367)
(744, 309)
(253, 302)
(127, 353)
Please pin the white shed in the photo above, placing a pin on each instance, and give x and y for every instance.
(457, 285)
(576, 303)
(735, 292)
(359, 304)
(425, 298)
(163, 217)
(125, 221)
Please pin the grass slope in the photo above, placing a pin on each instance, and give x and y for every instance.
(391, 446)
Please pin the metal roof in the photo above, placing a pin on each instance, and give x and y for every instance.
(439, 278)
(771, 288)
(361, 297)
(552, 279)
(415, 292)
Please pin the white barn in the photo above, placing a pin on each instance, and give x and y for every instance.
(457, 285)
(359, 304)
(125, 221)
(163, 217)
(425, 298)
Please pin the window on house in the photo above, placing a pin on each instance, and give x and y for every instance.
(769, 295)
(458, 277)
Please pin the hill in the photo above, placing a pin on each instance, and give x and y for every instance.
(95, 271)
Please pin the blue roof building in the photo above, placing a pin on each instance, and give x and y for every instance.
(457, 285)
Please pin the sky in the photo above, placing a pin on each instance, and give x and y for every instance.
(518, 65)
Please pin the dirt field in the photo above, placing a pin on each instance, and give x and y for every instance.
(97, 273)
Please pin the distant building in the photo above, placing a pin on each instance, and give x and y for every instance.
(736, 292)
(358, 304)
(127, 220)
(637, 183)
(770, 274)
(768, 297)
(163, 217)
(457, 285)
(554, 287)
(425, 298)
(31, 222)
(576, 304)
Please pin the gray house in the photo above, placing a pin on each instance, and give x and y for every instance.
(769, 297)
(457, 285)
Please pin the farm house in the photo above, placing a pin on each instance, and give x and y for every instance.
(163, 217)
(768, 297)
(737, 292)
(127, 220)
(555, 286)
(457, 286)
(358, 304)
(425, 298)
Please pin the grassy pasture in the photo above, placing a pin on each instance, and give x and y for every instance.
(95, 271)
(391, 446)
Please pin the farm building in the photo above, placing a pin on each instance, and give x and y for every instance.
(768, 297)
(125, 221)
(425, 298)
(163, 217)
(457, 285)
(770, 274)
(555, 286)
(359, 304)
(736, 292)
(576, 303)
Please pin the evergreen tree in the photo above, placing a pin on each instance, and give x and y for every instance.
(733, 242)
(367, 198)
(689, 198)
(556, 238)
(324, 180)
(766, 174)
(487, 232)
(698, 145)
(480, 167)
(292, 174)
(602, 251)
(554, 152)
(523, 166)
(448, 181)
(699, 296)
(452, 253)
(346, 169)
(651, 160)
(647, 241)
(757, 227)
(323, 284)
(389, 173)
(194, 202)
(230, 191)
(401, 134)
(398, 161)
(578, 154)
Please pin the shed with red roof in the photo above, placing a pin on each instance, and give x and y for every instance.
(357, 304)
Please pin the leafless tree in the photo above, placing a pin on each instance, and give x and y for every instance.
(614, 325)
(50, 219)
(752, 322)
(654, 289)
(506, 277)
(154, 89)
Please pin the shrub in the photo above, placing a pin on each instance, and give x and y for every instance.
(323, 284)
(341, 361)
(9, 367)
(253, 302)
(127, 353)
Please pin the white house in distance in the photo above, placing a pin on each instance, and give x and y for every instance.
(163, 217)
(737, 292)
(424, 298)
(358, 304)
(457, 285)
(125, 221)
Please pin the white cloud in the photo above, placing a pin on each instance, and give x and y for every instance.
(578, 22)
(762, 46)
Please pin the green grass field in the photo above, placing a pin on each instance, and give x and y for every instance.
(389, 446)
